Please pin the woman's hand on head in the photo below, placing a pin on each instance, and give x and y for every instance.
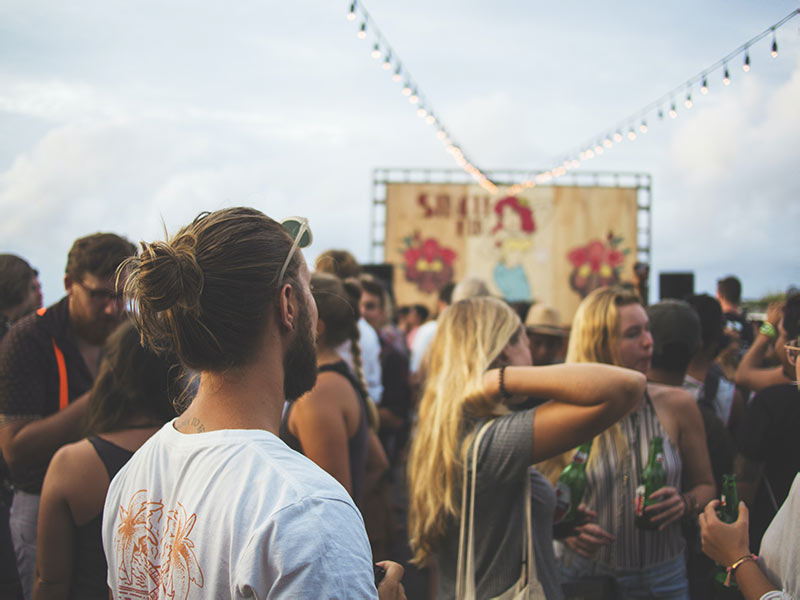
(724, 543)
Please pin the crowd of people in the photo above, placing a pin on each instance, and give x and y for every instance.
(205, 417)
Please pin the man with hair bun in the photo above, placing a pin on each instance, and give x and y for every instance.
(215, 505)
(48, 362)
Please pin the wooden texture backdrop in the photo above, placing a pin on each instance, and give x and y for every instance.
(548, 244)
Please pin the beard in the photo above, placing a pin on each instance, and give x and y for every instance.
(300, 360)
(95, 331)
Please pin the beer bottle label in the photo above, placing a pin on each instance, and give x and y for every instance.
(723, 501)
(580, 457)
(563, 499)
(639, 500)
(660, 458)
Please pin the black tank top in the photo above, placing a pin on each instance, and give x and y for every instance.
(356, 445)
(89, 568)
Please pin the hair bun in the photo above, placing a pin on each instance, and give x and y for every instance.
(170, 275)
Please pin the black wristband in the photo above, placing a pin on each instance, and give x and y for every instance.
(503, 391)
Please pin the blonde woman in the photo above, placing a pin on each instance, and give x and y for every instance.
(479, 358)
(611, 326)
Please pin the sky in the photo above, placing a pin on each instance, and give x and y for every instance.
(134, 117)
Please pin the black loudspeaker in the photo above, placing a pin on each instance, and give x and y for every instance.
(675, 285)
(383, 272)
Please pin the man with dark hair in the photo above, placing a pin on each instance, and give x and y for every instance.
(676, 329)
(48, 362)
(729, 295)
(705, 378)
(768, 457)
(395, 405)
(20, 291)
(20, 294)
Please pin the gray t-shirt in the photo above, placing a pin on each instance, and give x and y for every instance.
(503, 459)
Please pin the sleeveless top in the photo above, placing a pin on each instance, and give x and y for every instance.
(89, 568)
(356, 445)
(611, 491)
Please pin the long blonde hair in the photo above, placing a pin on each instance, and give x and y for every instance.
(470, 337)
(594, 337)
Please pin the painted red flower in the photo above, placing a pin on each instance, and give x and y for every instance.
(596, 264)
(428, 264)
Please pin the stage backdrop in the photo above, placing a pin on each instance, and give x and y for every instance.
(548, 244)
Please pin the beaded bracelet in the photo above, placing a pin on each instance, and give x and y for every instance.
(503, 390)
(768, 329)
(736, 565)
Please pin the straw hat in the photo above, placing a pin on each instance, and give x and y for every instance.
(545, 320)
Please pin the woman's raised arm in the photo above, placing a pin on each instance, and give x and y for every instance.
(587, 399)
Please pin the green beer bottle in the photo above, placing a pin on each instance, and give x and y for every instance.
(569, 491)
(653, 479)
(728, 512)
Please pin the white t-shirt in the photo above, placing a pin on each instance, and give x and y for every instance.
(232, 514)
(370, 359)
(780, 548)
(419, 346)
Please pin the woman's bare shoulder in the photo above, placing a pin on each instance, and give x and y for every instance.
(671, 396)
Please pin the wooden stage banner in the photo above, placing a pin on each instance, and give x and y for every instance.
(548, 244)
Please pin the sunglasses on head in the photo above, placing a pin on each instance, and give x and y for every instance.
(298, 230)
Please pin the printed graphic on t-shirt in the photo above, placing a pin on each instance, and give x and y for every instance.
(154, 551)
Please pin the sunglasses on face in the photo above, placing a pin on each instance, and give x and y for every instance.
(298, 230)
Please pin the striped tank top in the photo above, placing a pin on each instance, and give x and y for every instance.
(613, 474)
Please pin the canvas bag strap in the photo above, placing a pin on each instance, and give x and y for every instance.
(465, 571)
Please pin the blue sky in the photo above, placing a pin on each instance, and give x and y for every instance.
(121, 117)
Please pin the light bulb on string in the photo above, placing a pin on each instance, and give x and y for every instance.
(631, 134)
(351, 16)
(607, 142)
(726, 78)
(672, 112)
(406, 91)
(376, 52)
(618, 136)
(397, 77)
(589, 153)
(598, 149)
(643, 127)
(575, 163)
(774, 52)
(421, 112)
(430, 119)
(441, 134)
(362, 33)
(413, 98)
(746, 65)
(387, 64)
(688, 102)
(704, 87)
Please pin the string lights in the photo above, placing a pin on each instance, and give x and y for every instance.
(585, 151)
(410, 90)
(598, 144)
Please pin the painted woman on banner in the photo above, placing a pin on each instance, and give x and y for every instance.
(513, 234)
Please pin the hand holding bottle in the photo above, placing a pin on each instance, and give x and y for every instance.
(722, 542)
(668, 508)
